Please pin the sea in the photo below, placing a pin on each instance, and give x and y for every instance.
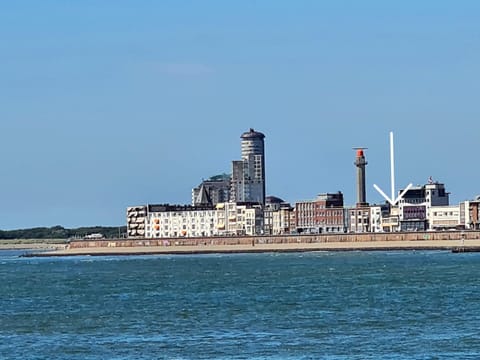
(318, 305)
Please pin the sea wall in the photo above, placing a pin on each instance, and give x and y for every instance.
(279, 239)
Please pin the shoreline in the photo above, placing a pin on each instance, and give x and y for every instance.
(445, 245)
(33, 246)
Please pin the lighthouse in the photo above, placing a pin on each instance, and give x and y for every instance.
(360, 163)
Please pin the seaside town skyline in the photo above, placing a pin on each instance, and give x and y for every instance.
(250, 179)
(106, 106)
(237, 204)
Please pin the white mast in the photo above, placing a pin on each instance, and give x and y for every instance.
(392, 166)
(392, 200)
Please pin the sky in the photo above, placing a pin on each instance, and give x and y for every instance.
(107, 104)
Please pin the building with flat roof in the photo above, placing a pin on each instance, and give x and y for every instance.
(325, 214)
(444, 217)
(173, 221)
(470, 214)
(239, 219)
(415, 207)
(170, 221)
(431, 194)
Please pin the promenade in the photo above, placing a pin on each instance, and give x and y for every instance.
(291, 243)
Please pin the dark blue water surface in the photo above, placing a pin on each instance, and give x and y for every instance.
(349, 305)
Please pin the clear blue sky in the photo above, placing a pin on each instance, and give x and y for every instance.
(106, 104)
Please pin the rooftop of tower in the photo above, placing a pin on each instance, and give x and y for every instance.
(251, 134)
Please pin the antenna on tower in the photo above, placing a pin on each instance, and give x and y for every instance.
(392, 200)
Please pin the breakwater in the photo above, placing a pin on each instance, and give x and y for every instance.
(279, 239)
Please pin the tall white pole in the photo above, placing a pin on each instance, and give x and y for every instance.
(392, 166)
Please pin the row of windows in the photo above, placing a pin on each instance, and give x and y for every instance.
(320, 213)
(183, 214)
(445, 213)
(183, 220)
(183, 227)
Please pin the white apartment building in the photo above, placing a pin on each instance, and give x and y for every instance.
(443, 217)
(166, 222)
(171, 221)
(239, 219)
(376, 219)
(359, 219)
(136, 216)
(281, 221)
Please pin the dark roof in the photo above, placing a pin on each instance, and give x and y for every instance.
(220, 177)
(273, 200)
(203, 197)
(252, 134)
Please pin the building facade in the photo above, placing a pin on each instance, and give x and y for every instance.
(173, 221)
(359, 219)
(470, 214)
(248, 174)
(414, 208)
(282, 221)
(444, 217)
(136, 218)
(325, 214)
(413, 217)
(170, 221)
(239, 219)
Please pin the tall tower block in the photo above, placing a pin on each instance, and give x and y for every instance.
(248, 175)
(360, 163)
(252, 144)
(253, 154)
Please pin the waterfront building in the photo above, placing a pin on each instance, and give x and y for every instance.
(377, 214)
(413, 217)
(239, 219)
(272, 206)
(282, 220)
(277, 216)
(136, 216)
(325, 214)
(431, 194)
(414, 208)
(165, 221)
(293, 220)
(359, 219)
(248, 174)
(212, 191)
(391, 220)
(444, 217)
(470, 214)
(172, 221)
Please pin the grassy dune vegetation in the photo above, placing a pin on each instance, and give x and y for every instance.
(58, 233)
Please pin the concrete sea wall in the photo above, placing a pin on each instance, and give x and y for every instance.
(278, 239)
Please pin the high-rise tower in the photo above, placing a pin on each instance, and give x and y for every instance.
(360, 163)
(248, 175)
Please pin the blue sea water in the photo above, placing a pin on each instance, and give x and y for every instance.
(319, 305)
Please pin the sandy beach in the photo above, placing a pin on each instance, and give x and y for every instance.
(289, 247)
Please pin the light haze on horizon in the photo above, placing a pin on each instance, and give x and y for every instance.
(117, 103)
